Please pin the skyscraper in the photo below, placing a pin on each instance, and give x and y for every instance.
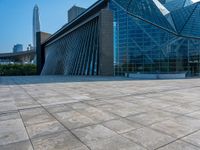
(36, 24)
(74, 12)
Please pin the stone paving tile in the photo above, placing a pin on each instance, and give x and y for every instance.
(180, 99)
(173, 128)
(93, 133)
(9, 116)
(195, 114)
(189, 122)
(81, 97)
(55, 100)
(44, 94)
(160, 104)
(38, 119)
(148, 118)
(26, 103)
(112, 113)
(120, 110)
(96, 115)
(179, 145)
(114, 143)
(24, 145)
(196, 103)
(58, 108)
(33, 111)
(178, 127)
(193, 138)
(6, 98)
(145, 101)
(73, 119)
(182, 109)
(95, 102)
(7, 106)
(35, 116)
(12, 131)
(148, 138)
(46, 128)
(58, 141)
(78, 105)
(121, 125)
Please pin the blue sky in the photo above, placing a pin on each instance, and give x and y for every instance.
(16, 19)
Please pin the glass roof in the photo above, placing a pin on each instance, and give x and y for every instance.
(172, 5)
(150, 10)
(180, 16)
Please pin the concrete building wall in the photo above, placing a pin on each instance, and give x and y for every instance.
(44, 36)
(40, 38)
(82, 47)
(106, 43)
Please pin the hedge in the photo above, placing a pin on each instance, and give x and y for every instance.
(17, 70)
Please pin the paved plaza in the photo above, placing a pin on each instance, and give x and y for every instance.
(99, 113)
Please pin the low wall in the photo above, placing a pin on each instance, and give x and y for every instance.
(157, 76)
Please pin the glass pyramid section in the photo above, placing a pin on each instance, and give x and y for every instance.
(162, 9)
(162, 1)
(165, 13)
(181, 16)
(172, 5)
(192, 25)
(146, 10)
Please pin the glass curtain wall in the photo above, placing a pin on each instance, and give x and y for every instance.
(143, 47)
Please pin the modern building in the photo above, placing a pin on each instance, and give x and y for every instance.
(17, 48)
(119, 37)
(172, 5)
(36, 24)
(74, 12)
(162, 1)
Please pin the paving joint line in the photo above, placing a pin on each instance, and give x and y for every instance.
(180, 139)
(58, 120)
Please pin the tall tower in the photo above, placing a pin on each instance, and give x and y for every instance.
(36, 24)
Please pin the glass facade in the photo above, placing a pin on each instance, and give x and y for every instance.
(172, 5)
(147, 41)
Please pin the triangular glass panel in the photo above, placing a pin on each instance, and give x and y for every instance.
(172, 5)
(181, 16)
(149, 11)
(192, 26)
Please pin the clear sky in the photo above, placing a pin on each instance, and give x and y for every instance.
(16, 19)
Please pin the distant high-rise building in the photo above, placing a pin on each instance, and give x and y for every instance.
(36, 24)
(17, 48)
(74, 12)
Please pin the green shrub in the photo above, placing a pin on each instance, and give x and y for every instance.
(17, 70)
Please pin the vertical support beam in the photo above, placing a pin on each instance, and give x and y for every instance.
(38, 53)
(106, 56)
